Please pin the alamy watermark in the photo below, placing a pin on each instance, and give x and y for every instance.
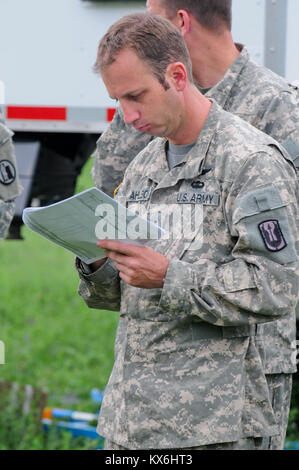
(162, 222)
(2, 353)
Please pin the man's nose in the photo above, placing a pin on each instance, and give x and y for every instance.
(130, 113)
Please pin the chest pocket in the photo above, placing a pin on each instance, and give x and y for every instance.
(199, 205)
(141, 226)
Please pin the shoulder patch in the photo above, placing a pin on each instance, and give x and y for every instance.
(7, 172)
(272, 235)
(266, 219)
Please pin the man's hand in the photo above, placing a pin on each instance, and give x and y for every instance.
(139, 266)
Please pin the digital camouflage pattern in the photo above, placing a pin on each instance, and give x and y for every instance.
(263, 99)
(280, 388)
(9, 184)
(260, 97)
(250, 443)
(280, 396)
(189, 358)
(7, 210)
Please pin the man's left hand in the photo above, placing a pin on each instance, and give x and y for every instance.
(139, 266)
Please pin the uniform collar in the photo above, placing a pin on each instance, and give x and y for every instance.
(191, 166)
(223, 89)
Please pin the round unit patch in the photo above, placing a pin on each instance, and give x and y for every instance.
(7, 172)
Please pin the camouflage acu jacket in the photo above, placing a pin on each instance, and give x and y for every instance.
(189, 357)
(261, 98)
(9, 185)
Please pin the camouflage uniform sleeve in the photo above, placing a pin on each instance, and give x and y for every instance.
(285, 106)
(116, 148)
(7, 210)
(99, 289)
(260, 283)
(9, 183)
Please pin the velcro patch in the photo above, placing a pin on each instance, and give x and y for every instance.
(197, 184)
(293, 150)
(272, 235)
(140, 195)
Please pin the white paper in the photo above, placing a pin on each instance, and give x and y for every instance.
(77, 223)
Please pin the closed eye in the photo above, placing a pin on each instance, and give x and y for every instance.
(135, 97)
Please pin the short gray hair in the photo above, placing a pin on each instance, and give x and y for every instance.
(154, 40)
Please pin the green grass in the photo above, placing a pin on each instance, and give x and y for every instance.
(51, 338)
(53, 341)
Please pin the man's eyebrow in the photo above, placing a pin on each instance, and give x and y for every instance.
(128, 94)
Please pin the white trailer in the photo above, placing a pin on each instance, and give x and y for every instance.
(57, 106)
(54, 103)
(48, 48)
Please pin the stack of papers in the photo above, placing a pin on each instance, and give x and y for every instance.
(77, 223)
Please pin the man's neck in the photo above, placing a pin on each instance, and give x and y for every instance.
(194, 115)
(211, 54)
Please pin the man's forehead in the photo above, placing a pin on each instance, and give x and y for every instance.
(126, 57)
(125, 63)
(126, 75)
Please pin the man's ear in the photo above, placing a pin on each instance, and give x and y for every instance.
(183, 22)
(176, 73)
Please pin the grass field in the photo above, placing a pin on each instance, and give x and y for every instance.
(52, 340)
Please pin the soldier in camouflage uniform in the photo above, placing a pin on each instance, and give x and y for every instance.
(188, 369)
(248, 90)
(9, 185)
